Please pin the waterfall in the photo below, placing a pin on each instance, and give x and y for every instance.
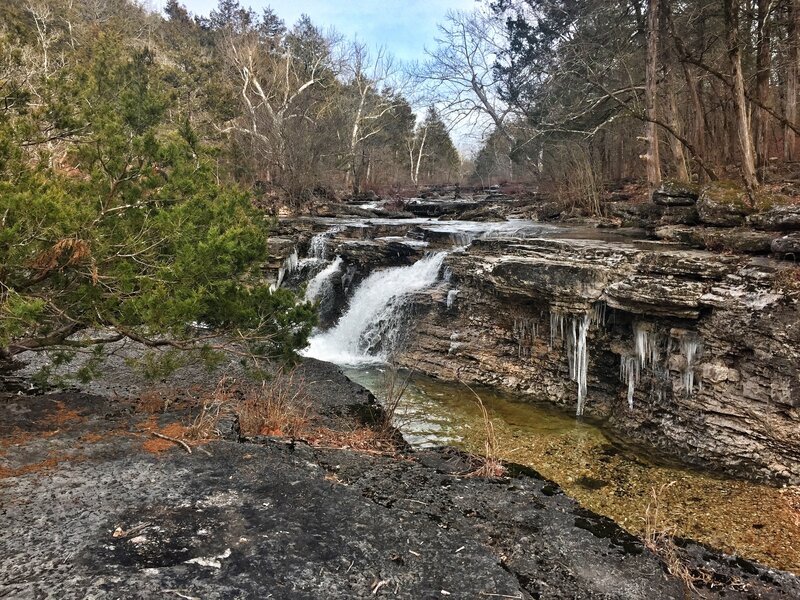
(322, 280)
(318, 246)
(371, 326)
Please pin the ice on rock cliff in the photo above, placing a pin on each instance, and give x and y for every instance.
(290, 265)
(451, 298)
(691, 348)
(577, 328)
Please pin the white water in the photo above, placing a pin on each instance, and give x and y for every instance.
(318, 246)
(451, 298)
(322, 279)
(374, 314)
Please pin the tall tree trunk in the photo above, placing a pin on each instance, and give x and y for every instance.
(792, 59)
(763, 66)
(731, 11)
(651, 98)
(671, 80)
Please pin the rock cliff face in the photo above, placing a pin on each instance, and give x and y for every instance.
(688, 352)
(691, 353)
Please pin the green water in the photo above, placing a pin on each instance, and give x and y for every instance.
(755, 521)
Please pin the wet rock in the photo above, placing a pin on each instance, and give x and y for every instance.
(736, 239)
(779, 218)
(727, 311)
(679, 215)
(675, 194)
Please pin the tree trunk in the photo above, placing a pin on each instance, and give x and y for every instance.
(763, 66)
(651, 99)
(792, 59)
(731, 11)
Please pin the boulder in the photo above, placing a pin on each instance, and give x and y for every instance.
(787, 244)
(723, 205)
(778, 218)
(679, 215)
(672, 193)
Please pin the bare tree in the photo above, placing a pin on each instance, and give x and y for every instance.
(368, 78)
(459, 75)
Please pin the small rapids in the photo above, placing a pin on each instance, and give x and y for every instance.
(369, 329)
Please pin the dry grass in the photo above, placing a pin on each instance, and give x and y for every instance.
(278, 407)
(395, 386)
(659, 538)
(490, 464)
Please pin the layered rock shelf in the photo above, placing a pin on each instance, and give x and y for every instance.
(689, 353)
(692, 353)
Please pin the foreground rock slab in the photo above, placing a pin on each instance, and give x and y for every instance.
(88, 512)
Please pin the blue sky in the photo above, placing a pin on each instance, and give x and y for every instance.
(405, 27)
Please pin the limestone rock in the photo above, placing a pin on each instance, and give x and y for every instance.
(675, 194)
(779, 218)
(787, 244)
(723, 205)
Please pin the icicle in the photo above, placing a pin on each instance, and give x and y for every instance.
(451, 298)
(577, 357)
(629, 372)
(646, 344)
(599, 310)
(691, 348)
(525, 332)
(290, 264)
(556, 327)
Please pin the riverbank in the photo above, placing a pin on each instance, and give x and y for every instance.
(90, 509)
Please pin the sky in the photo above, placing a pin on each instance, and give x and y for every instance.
(404, 27)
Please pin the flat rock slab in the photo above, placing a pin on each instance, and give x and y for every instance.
(103, 518)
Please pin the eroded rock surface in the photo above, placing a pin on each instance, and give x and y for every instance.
(687, 352)
(87, 512)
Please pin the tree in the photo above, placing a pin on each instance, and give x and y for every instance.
(135, 239)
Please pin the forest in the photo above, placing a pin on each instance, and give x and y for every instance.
(129, 137)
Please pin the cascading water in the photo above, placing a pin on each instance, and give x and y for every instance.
(318, 246)
(317, 286)
(451, 298)
(371, 326)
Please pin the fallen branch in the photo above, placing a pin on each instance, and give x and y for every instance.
(172, 439)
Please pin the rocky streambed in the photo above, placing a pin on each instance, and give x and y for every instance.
(92, 508)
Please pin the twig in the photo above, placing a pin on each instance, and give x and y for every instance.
(172, 439)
